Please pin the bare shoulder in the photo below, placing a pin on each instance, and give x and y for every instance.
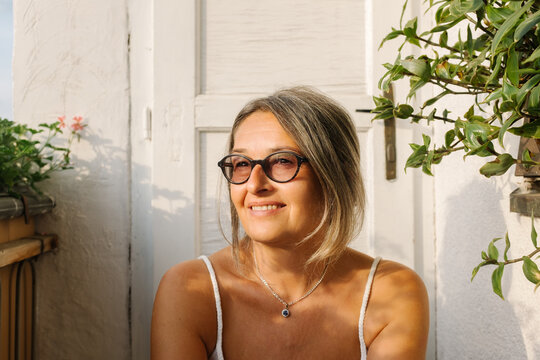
(183, 319)
(395, 278)
(399, 310)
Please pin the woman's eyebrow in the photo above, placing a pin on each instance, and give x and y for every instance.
(292, 148)
(275, 149)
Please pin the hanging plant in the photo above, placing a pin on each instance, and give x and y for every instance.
(494, 65)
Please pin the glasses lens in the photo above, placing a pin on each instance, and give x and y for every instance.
(281, 166)
(236, 168)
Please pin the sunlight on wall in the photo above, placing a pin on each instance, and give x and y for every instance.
(6, 51)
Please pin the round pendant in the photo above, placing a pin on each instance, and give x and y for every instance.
(285, 312)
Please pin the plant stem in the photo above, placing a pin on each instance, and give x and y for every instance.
(429, 42)
(416, 116)
(521, 259)
(479, 25)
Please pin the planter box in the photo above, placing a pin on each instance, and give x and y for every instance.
(18, 244)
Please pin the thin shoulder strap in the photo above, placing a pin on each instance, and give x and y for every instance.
(219, 350)
(367, 291)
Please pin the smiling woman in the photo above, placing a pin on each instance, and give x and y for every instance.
(296, 188)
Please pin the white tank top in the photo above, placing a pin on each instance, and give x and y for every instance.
(218, 351)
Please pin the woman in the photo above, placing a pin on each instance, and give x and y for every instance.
(289, 287)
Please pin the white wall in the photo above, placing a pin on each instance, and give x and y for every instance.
(6, 44)
(71, 58)
(473, 322)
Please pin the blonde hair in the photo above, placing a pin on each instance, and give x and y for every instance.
(325, 134)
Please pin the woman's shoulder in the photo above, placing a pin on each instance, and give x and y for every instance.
(184, 315)
(397, 319)
(389, 275)
(191, 279)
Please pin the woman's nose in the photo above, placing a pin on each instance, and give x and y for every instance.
(258, 181)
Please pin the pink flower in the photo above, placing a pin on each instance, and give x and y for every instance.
(61, 119)
(77, 125)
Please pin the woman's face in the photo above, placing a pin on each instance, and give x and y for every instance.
(272, 212)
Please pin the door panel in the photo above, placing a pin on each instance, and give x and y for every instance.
(256, 46)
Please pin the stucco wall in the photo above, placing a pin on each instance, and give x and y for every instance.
(473, 322)
(70, 58)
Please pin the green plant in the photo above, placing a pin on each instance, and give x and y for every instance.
(494, 64)
(26, 157)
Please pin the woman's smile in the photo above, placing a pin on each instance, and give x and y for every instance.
(265, 208)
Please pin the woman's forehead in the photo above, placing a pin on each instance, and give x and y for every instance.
(262, 130)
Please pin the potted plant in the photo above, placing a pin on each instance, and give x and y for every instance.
(27, 157)
(494, 64)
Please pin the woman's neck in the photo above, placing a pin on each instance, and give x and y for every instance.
(285, 269)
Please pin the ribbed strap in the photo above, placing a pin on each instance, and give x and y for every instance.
(218, 352)
(365, 299)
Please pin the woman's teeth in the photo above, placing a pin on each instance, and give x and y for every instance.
(264, 207)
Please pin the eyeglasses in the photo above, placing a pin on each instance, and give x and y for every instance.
(281, 167)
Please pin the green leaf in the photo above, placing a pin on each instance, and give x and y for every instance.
(386, 114)
(534, 99)
(470, 47)
(526, 25)
(462, 7)
(509, 122)
(497, 15)
(433, 100)
(507, 246)
(446, 26)
(526, 157)
(449, 137)
(496, 278)
(426, 165)
(497, 94)
(512, 66)
(534, 235)
(498, 166)
(526, 88)
(403, 111)
(410, 28)
(535, 55)
(529, 130)
(417, 157)
(382, 102)
(493, 252)
(508, 25)
(426, 139)
(443, 39)
(417, 67)
(392, 35)
(530, 270)
(474, 272)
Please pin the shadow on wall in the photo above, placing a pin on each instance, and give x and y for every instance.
(83, 290)
(473, 322)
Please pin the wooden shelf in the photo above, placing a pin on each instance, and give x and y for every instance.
(21, 249)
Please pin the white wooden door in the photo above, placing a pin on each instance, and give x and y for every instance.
(212, 56)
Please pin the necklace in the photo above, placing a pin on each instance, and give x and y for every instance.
(286, 312)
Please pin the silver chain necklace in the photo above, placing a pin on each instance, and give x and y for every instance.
(286, 312)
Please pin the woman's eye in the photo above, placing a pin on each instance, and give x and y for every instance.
(241, 164)
(284, 161)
